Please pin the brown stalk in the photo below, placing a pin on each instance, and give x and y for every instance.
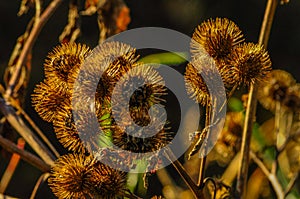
(18, 124)
(25, 155)
(183, 173)
(40, 21)
(251, 104)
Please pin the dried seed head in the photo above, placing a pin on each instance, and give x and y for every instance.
(292, 99)
(106, 182)
(199, 73)
(66, 131)
(104, 67)
(63, 63)
(195, 85)
(141, 145)
(70, 176)
(251, 63)
(145, 139)
(137, 91)
(217, 36)
(49, 98)
(275, 88)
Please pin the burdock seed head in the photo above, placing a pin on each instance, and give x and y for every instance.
(251, 63)
(70, 175)
(275, 88)
(63, 63)
(217, 36)
(49, 98)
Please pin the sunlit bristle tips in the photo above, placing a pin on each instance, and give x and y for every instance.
(109, 61)
(251, 63)
(142, 87)
(48, 99)
(199, 73)
(217, 36)
(280, 88)
(80, 176)
(63, 62)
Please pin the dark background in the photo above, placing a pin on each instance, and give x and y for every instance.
(180, 15)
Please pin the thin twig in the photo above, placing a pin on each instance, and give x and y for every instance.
(251, 105)
(18, 124)
(12, 165)
(41, 179)
(41, 21)
(25, 155)
(203, 159)
(271, 177)
(291, 184)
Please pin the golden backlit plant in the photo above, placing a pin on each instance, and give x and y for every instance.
(67, 99)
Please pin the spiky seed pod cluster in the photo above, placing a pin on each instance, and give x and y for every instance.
(280, 88)
(80, 176)
(239, 63)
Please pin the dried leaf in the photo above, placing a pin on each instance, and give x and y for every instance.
(113, 17)
(91, 6)
(72, 29)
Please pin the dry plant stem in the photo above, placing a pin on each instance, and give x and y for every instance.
(184, 175)
(271, 177)
(12, 165)
(41, 179)
(37, 27)
(230, 173)
(39, 132)
(18, 124)
(291, 184)
(25, 155)
(6, 197)
(203, 159)
(251, 105)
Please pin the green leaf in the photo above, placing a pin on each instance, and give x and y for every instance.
(167, 58)
(235, 104)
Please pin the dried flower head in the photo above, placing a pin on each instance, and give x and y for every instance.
(217, 36)
(66, 131)
(199, 73)
(275, 88)
(138, 90)
(70, 175)
(103, 68)
(145, 139)
(196, 87)
(49, 98)
(251, 63)
(106, 182)
(292, 99)
(63, 63)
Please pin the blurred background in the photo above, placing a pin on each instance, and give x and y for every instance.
(180, 15)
